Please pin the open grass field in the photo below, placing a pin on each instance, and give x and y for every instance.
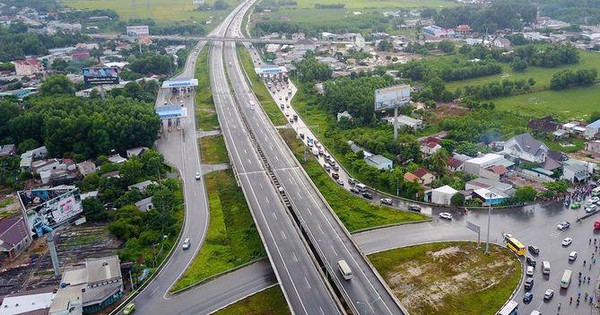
(268, 302)
(572, 103)
(356, 213)
(450, 277)
(213, 150)
(363, 4)
(162, 11)
(588, 60)
(259, 88)
(232, 239)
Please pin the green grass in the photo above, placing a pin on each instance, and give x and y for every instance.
(356, 213)
(265, 99)
(572, 103)
(162, 11)
(574, 145)
(464, 282)
(542, 76)
(213, 150)
(206, 115)
(6, 201)
(268, 302)
(232, 239)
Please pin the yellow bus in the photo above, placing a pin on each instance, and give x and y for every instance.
(516, 246)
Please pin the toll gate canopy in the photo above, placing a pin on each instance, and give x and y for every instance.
(270, 70)
(170, 112)
(179, 83)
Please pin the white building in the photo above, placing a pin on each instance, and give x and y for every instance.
(28, 302)
(443, 195)
(592, 130)
(577, 171)
(28, 67)
(137, 30)
(484, 165)
(526, 148)
(379, 161)
(405, 121)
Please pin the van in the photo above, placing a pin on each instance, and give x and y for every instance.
(546, 267)
(361, 187)
(565, 281)
(345, 269)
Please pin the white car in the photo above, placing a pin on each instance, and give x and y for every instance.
(446, 215)
(530, 271)
(563, 225)
(548, 294)
(340, 181)
(572, 256)
(186, 243)
(567, 241)
(591, 208)
(197, 175)
(506, 236)
(594, 200)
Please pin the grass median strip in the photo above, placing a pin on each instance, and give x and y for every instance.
(267, 302)
(450, 277)
(356, 213)
(232, 239)
(206, 115)
(213, 150)
(260, 90)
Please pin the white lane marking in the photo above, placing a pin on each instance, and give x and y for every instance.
(334, 251)
(283, 235)
(321, 229)
(307, 283)
(274, 215)
(267, 199)
(294, 257)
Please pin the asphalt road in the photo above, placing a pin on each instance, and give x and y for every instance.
(301, 280)
(366, 293)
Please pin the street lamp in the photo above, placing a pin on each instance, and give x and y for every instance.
(489, 195)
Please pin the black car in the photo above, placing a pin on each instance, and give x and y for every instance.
(530, 261)
(529, 284)
(367, 195)
(527, 297)
(533, 249)
(414, 208)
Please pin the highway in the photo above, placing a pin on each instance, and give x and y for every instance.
(302, 282)
(366, 293)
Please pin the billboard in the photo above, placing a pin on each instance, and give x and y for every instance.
(137, 30)
(394, 96)
(101, 75)
(50, 207)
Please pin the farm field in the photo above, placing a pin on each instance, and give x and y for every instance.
(588, 60)
(362, 4)
(162, 11)
(573, 103)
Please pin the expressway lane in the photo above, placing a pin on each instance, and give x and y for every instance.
(366, 293)
(302, 283)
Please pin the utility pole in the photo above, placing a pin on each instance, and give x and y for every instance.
(487, 242)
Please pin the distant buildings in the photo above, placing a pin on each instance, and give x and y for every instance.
(28, 67)
(7, 150)
(592, 130)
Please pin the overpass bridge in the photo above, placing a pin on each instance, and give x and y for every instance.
(218, 38)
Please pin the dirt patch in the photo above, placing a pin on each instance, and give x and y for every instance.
(449, 278)
(445, 110)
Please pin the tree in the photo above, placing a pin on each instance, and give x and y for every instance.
(220, 5)
(519, 65)
(8, 111)
(94, 211)
(525, 194)
(447, 46)
(57, 84)
(59, 64)
(457, 200)
(438, 162)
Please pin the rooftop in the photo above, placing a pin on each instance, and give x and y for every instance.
(446, 190)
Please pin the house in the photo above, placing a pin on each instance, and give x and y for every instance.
(489, 197)
(436, 31)
(28, 67)
(406, 121)
(113, 174)
(495, 186)
(86, 167)
(29, 302)
(577, 171)
(7, 150)
(136, 151)
(28, 157)
(490, 166)
(443, 195)
(344, 114)
(116, 159)
(424, 176)
(141, 186)
(411, 178)
(463, 29)
(379, 161)
(145, 204)
(305, 45)
(592, 130)
(526, 148)
(544, 125)
(454, 164)
(501, 42)
(593, 146)
(89, 287)
(552, 161)
(430, 146)
(14, 237)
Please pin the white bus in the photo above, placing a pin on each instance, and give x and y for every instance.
(565, 281)
(361, 187)
(509, 308)
(345, 269)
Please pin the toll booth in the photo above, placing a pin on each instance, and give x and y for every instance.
(180, 86)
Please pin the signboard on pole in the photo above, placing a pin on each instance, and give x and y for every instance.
(392, 97)
(100, 75)
(475, 228)
(50, 207)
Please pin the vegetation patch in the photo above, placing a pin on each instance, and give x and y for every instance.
(232, 238)
(206, 115)
(260, 90)
(213, 150)
(356, 213)
(268, 302)
(450, 277)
